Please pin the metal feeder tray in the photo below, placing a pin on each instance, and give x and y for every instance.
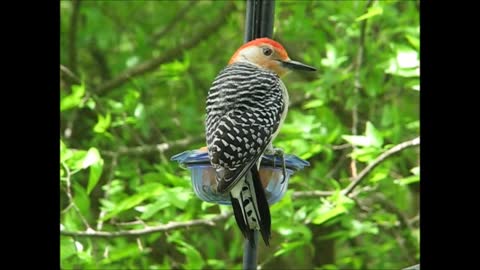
(204, 183)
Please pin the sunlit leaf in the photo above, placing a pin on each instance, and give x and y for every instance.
(314, 104)
(372, 11)
(375, 135)
(74, 99)
(415, 170)
(148, 191)
(151, 209)
(288, 247)
(414, 41)
(408, 180)
(103, 123)
(92, 157)
(358, 140)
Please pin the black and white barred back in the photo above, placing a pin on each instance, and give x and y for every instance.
(245, 107)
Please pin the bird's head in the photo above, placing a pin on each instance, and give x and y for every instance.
(268, 54)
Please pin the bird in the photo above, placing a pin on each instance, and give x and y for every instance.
(246, 106)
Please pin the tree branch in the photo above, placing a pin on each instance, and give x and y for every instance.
(361, 176)
(413, 267)
(357, 84)
(178, 17)
(70, 197)
(111, 175)
(149, 230)
(396, 149)
(169, 55)
(72, 36)
(313, 193)
(69, 75)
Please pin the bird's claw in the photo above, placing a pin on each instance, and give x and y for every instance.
(278, 152)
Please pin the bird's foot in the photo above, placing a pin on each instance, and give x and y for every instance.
(278, 152)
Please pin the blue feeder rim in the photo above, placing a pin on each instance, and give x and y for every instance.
(271, 175)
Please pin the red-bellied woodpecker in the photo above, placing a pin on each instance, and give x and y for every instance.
(246, 106)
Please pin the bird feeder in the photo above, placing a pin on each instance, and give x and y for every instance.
(271, 175)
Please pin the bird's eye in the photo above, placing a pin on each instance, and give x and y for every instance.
(267, 51)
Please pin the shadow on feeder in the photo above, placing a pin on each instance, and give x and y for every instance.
(271, 175)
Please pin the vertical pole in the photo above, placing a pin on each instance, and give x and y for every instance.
(267, 13)
(258, 23)
(250, 253)
(249, 20)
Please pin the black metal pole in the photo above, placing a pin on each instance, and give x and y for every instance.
(250, 253)
(249, 21)
(267, 13)
(259, 19)
(258, 23)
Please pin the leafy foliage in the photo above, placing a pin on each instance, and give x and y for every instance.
(133, 88)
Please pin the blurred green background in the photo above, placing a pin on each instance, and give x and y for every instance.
(134, 80)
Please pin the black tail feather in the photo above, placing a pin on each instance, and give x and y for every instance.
(245, 211)
(263, 207)
(237, 212)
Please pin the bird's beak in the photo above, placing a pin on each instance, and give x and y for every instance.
(294, 65)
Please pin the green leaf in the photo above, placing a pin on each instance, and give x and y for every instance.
(103, 123)
(407, 59)
(408, 180)
(74, 99)
(415, 125)
(92, 157)
(414, 41)
(193, 257)
(145, 192)
(415, 170)
(75, 162)
(365, 154)
(288, 247)
(379, 175)
(81, 199)
(298, 232)
(139, 110)
(130, 100)
(90, 104)
(332, 60)
(67, 248)
(405, 63)
(216, 264)
(372, 137)
(65, 153)
(336, 205)
(372, 11)
(117, 254)
(358, 140)
(95, 173)
(314, 104)
(95, 162)
(359, 228)
(153, 208)
(179, 197)
(312, 150)
(375, 136)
